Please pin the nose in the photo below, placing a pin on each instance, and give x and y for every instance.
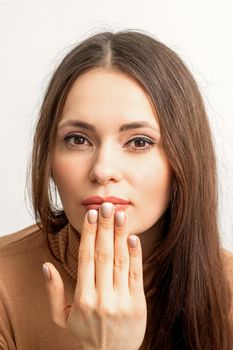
(106, 165)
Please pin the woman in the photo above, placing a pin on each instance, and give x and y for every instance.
(132, 260)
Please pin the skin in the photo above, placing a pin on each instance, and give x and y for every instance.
(109, 301)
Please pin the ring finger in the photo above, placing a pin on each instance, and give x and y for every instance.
(121, 255)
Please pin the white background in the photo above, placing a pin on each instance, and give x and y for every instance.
(35, 35)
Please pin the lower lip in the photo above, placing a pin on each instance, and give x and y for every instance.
(117, 206)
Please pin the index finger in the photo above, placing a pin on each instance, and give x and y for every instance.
(86, 255)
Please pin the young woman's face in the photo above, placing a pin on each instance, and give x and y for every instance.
(117, 151)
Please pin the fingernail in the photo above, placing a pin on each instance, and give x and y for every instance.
(46, 272)
(106, 209)
(120, 218)
(92, 216)
(133, 241)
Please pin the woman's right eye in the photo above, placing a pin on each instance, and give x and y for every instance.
(75, 141)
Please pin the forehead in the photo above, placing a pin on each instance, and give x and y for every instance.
(100, 93)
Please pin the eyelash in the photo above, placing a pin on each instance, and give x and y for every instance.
(151, 143)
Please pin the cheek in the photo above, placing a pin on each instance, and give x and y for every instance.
(155, 184)
(67, 174)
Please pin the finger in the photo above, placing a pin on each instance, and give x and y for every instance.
(56, 294)
(86, 262)
(121, 253)
(104, 249)
(135, 266)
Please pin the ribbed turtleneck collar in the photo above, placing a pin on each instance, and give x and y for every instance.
(65, 246)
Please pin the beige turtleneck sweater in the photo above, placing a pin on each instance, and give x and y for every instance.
(25, 321)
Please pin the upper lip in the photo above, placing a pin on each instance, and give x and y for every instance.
(100, 200)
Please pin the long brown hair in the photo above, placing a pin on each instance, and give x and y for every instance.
(191, 300)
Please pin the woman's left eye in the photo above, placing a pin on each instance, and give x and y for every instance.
(77, 141)
(140, 143)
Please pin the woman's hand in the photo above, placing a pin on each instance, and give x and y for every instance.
(109, 310)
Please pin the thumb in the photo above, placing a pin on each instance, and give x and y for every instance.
(56, 294)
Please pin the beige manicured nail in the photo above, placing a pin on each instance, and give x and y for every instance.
(120, 218)
(106, 209)
(92, 216)
(133, 241)
(46, 272)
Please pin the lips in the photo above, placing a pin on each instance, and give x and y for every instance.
(97, 206)
(95, 202)
(100, 200)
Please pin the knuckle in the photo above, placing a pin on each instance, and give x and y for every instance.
(85, 256)
(103, 256)
(134, 252)
(124, 312)
(84, 305)
(54, 289)
(121, 261)
(119, 230)
(106, 223)
(134, 274)
(106, 310)
(140, 312)
(90, 229)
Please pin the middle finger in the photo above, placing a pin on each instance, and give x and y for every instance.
(104, 250)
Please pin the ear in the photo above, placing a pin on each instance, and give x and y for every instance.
(52, 175)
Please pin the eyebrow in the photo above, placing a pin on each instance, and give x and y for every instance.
(127, 126)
